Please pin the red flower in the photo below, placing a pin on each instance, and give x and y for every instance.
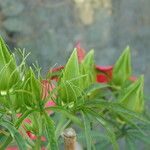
(133, 78)
(80, 51)
(48, 87)
(55, 77)
(104, 74)
(34, 137)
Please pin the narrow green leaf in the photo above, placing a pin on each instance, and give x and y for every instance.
(66, 113)
(121, 109)
(87, 130)
(110, 133)
(62, 124)
(50, 130)
(130, 143)
(15, 134)
(141, 137)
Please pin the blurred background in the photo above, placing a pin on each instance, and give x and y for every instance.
(50, 29)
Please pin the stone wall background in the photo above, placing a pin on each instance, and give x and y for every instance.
(50, 28)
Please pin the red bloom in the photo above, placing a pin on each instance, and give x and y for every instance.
(54, 70)
(47, 87)
(80, 52)
(133, 78)
(104, 74)
(34, 137)
(31, 135)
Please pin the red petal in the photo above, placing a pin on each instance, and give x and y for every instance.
(43, 148)
(57, 69)
(133, 78)
(48, 104)
(102, 78)
(31, 135)
(43, 138)
(47, 87)
(27, 120)
(104, 68)
(105, 73)
(12, 148)
(80, 52)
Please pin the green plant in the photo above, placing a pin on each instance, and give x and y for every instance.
(87, 97)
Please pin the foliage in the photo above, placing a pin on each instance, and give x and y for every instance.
(105, 112)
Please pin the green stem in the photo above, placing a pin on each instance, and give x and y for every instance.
(38, 143)
(13, 117)
(38, 121)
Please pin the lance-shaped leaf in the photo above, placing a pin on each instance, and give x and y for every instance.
(133, 98)
(122, 68)
(50, 131)
(70, 79)
(87, 69)
(87, 130)
(8, 68)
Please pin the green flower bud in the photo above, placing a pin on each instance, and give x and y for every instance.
(31, 93)
(69, 82)
(9, 74)
(122, 68)
(87, 69)
(132, 98)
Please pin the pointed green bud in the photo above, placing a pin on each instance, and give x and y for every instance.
(122, 68)
(132, 98)
(8, 69)
(70, 79)
(31, 94)
(87, 69)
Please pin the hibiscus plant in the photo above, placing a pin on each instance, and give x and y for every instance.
(104, 104)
